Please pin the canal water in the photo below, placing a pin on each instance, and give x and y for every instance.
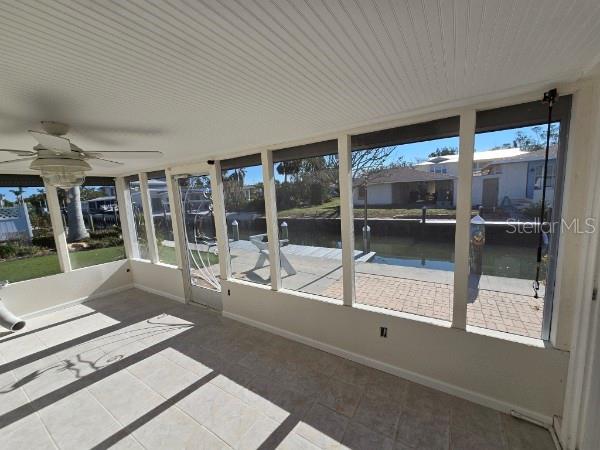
(431, 249)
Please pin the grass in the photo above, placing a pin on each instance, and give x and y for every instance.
(331, 209)
(42, 266)
(88, 258)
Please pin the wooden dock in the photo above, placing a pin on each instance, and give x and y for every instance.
(305, 250)
(290, 250)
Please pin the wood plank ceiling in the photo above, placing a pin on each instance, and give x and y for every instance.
(204, 78)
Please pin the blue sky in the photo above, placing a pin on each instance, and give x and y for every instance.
(410, 152)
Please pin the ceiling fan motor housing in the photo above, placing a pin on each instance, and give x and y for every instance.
(55, 128)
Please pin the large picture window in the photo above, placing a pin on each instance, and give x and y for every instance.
(91, 217)
(245, 216)
(404, 203)
(308, 213)
(507, 190)
(27, 248)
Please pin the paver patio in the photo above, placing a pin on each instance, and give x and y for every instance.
(496, 303)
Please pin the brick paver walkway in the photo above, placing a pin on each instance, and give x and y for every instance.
(500, 311)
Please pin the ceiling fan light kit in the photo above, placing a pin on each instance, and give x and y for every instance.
(63, 164)
(61, 173)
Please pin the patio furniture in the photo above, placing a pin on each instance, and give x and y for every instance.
(209, 242)
(261, 243)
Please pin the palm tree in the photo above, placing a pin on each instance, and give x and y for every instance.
(77, 230)
(286, 168)
(18, 193)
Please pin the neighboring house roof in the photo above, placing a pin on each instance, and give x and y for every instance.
(402, 175)
(531, 156)
(503, 155)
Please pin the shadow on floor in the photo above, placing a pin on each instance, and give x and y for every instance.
(232, 383)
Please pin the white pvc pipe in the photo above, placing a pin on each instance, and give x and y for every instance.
(7, 319)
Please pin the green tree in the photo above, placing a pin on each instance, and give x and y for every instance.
(87, 193)
(443, 151)
(289, 168)
(535, 141)
(18, 193)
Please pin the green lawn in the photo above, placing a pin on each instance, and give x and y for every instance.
(88, 258)
(42, 266)
(331, 209)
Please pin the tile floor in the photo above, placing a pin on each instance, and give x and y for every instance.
(135, 370)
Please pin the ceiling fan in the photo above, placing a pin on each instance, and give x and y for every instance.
(62, 163)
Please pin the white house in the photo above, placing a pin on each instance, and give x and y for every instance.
(507, 177)
(404, 186)
(504, 178)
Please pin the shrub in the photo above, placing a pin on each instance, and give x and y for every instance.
(7, 251)
(15, 250)
(108, 233)
(104, 243)
(44, 240)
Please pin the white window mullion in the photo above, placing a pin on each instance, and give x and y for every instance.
(271, 217)
(147, 205)
(347, 220)
(216, 185)
(126, 218)
(463, 219)
(176, 217)
(58, 229)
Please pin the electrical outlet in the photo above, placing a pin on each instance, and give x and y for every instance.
(228, 292)
(383, 332)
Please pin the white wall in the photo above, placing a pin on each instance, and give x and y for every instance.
(160, 279)
(512, 183)
(377, 194)
(31, 296)
(495, 372)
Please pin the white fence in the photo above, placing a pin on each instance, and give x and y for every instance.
(14, 223)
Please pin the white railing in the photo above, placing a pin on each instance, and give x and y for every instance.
(14, 223)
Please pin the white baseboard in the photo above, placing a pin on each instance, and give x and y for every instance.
(78, 301)
(141, 287)
(448, 388)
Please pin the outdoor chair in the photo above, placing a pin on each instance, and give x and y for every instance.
(259, 240)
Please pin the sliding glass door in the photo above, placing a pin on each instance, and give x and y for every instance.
(202, 257)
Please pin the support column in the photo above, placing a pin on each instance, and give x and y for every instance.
(463, 219)
(126, 217)
(216, 185)
(58, 229)
(147, 205)
(271, 216)
(345, 174)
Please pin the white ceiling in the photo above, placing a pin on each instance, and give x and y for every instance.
(202, 78)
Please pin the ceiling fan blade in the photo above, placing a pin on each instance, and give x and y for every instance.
(126, 154)
(103, 162)
(18, 152)
(56, 144)
(11, 161)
